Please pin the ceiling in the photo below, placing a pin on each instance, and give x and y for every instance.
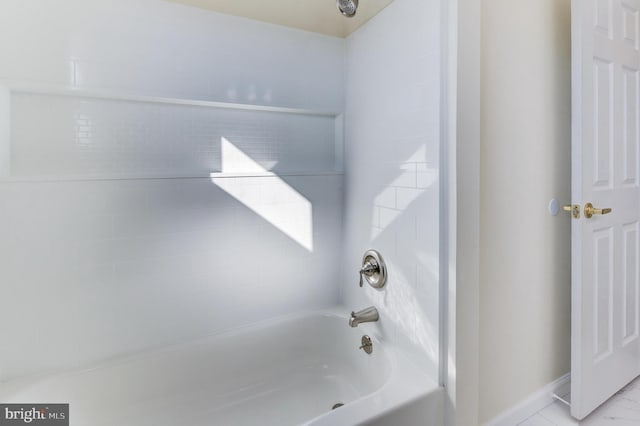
(320, 16)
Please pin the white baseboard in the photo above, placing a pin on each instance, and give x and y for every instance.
(533, 403)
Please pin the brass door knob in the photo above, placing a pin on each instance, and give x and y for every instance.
(589, 210)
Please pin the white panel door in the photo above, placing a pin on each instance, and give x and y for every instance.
(605, 171)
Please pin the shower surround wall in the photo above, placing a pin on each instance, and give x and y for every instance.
(112, 237)
(392, 167)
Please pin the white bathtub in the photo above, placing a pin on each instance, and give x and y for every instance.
(289, 371)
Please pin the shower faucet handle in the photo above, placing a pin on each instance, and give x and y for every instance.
(369, 268)
(373, 269)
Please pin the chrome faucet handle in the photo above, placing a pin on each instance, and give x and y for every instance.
(368, 269)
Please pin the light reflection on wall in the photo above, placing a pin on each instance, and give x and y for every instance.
(266, 194)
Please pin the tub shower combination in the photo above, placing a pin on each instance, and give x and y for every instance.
(131, 198)
(289, 371)
(320, 369)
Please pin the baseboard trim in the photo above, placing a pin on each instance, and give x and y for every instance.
(533, 403)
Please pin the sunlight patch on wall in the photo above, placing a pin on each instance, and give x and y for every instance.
(414, 176)
(234, 160)
(266, 194)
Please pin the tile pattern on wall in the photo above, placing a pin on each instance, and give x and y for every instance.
(70, 136)
(392, 169)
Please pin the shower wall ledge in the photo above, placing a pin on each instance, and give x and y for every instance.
(55, 90)
(26, 179)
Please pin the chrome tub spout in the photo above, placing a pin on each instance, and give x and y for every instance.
(369, 314)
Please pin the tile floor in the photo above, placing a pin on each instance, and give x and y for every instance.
(623, 409)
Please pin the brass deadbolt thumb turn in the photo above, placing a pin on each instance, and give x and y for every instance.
(589, 210)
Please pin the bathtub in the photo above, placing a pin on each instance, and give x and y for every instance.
(288, 371)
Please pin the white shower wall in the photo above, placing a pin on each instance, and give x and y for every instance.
(392, 171)
(112, 237)
(158, 48)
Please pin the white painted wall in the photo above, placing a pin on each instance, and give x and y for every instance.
(93, 268)
(525, 161)
(392, 168)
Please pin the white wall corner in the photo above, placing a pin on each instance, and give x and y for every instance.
(462, 382)
(533, 403)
